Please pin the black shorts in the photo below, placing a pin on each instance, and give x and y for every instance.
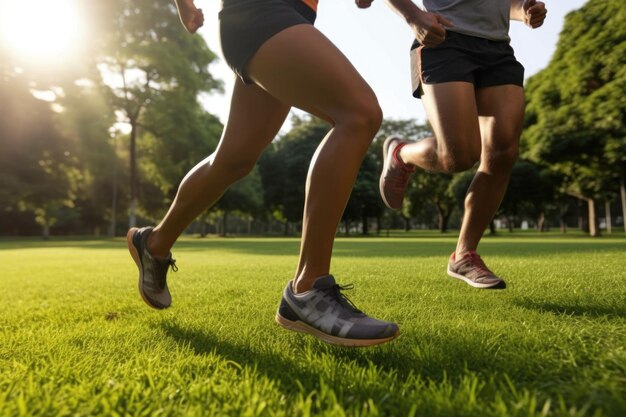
(245, 25)
(479, 61)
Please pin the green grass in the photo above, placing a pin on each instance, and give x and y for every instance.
(76, 339)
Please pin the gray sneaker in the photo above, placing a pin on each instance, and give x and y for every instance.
(328, 315)
(395, 175)
(152, 271)
(471, 269)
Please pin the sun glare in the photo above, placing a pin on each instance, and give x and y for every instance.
(40, 29)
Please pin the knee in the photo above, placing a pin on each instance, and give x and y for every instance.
(452, 163)
(365, 118)
(233, 169)
(502, 157)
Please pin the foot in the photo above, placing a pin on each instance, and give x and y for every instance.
(327, 314)
(395, 175)
(471, 269)
(152, 271)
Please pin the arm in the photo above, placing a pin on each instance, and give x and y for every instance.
(191, 17)
(531, 12)
(429, 28)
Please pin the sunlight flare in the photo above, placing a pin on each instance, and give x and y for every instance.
(40, 29)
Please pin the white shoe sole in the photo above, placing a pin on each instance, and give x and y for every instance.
(472, 283)
(302, 327)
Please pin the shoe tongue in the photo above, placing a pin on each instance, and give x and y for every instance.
(323, 282)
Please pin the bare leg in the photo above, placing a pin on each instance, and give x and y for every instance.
(451, 110)
(302, 67)
(501, 112)
(254, 119)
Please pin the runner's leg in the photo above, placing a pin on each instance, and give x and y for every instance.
(302, 67)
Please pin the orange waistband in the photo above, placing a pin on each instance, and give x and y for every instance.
(312, 4)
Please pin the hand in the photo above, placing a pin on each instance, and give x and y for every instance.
(534, 13)
(191, 17)
(363, 4)
(430, 28)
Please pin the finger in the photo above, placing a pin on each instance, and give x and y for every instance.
(538, 18)
(436, 32)
(434, 39)
(535, 9)
(445, 22)
(536, 23)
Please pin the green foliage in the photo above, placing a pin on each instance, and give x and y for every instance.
(529, 191)
(38, 165)
(576, 113)
(76, 339)
(284, 168)
(152, 66)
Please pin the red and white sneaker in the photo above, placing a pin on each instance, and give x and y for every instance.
(471, 269)
(395, 175)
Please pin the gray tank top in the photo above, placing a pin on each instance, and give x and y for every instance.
(487, 19)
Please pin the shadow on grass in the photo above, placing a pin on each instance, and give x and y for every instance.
(438, 360)
(609, 311)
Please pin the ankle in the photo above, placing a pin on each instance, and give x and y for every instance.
(303, 284)
(400, 154)
(152, 245)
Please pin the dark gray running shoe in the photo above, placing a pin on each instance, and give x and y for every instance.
(152, 271)
(328, 315)
(471, 269)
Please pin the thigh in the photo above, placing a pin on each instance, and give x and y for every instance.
(501, 116)
(300, 66)
(453, 114)
(254, 119)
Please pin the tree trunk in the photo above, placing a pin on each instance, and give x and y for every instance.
(622, 191)
(114, 197)
(593, 230)
(224, 223)
(607, 215)
(366, 228)
(541, 221)
(492, 227)
(286, 229)
(581, 220)
(346, 224)
(45, 232)
(203, 226)
(510, 223)
(562, 223)
(407, 223)
(132, 218)
(379, 225)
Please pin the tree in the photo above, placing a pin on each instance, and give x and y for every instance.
(245, 197)
(529, 193)
(430, 191)
(364, 201)
(576, 114)
(284, 168)
(148, 62)
(39, 172)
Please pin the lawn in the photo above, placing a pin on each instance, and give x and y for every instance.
(77, 340)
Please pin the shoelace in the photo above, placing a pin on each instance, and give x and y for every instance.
(401, 179)
(476, 261)
(335, 291)
(172, 264)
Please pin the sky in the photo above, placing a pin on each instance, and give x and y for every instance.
(377, 42)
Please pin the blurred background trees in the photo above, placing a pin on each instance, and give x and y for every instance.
(93, 144)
